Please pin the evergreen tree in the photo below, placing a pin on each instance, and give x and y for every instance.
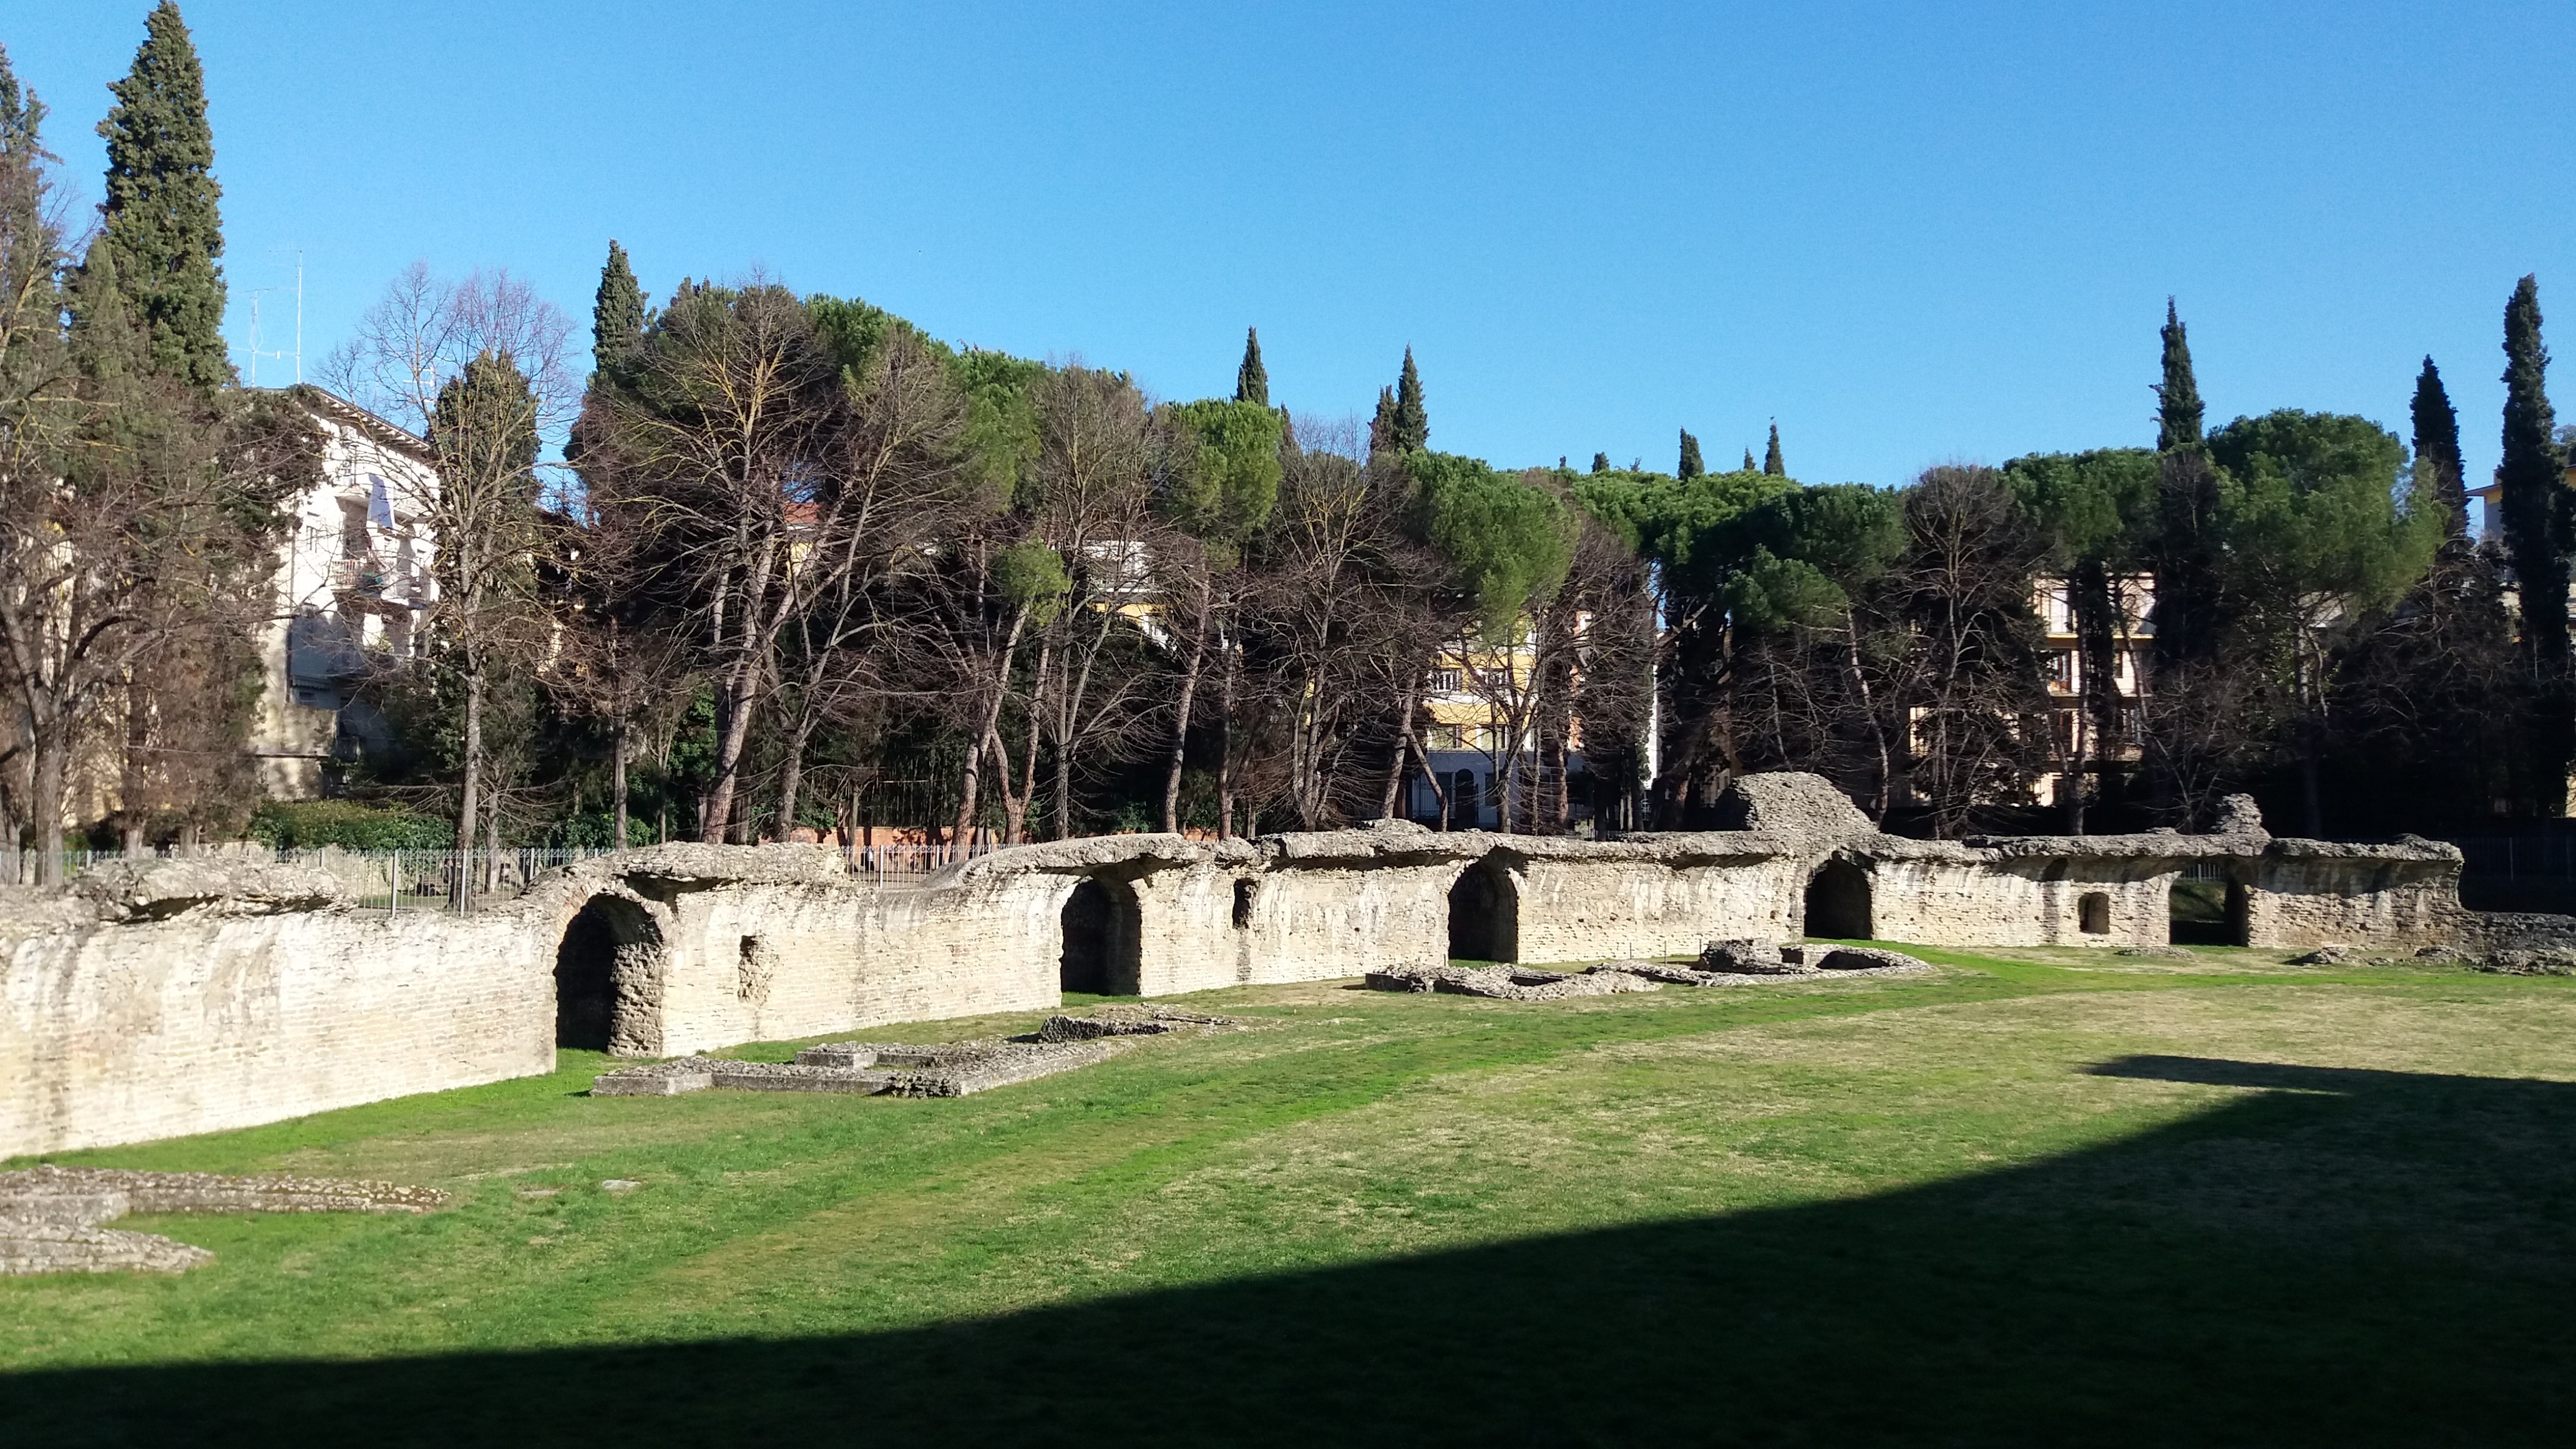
(1691, 466)
(2533, 489)
(1600, 462)
(617, 316)
(1251, 380)
(1409, 425)
(160, 215)
(1771, 464)
(1382, 423)
(22, 117)
(2185, 555)
(2438, 478)
(1749, 464)
(2178, 410)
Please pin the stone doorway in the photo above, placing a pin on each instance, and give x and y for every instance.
(1838, 902)
(607, 978)
(2203, 912)
(1484, 914)
(1102, 952)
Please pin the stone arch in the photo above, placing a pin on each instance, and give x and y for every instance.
(1838, 904)
(1484, 913)
(2093, 913)
(608, 979)
(1103, 939)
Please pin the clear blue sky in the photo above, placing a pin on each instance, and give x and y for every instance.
(1913, 233)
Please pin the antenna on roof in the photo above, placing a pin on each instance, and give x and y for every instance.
(280, 354)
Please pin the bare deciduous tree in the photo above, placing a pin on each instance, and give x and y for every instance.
(478, 368)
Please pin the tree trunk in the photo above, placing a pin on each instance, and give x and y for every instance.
(1439, 791)
(970, 778)
(1869, 711)
(617, 790)
(792, 773)
(1225, 742)
(133, 786)
(1063, 794)
(736, 733)
(46, 799)
(1181, 718)
(472, 801)
(1403, 750)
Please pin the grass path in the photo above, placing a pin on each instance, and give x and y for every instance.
(2037, 1194)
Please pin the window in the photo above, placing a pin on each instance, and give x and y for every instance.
(1446, 681)
(2093, 914)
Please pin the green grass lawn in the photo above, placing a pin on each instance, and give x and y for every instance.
(2045, 1197)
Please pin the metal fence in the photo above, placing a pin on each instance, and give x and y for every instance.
(2519, 857)
(425, 880)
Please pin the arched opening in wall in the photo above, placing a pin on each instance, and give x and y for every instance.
(1243, 890)
(586, 970)
(1484, 914)
(1838, 902)
(2093, 913)
(1102, 939)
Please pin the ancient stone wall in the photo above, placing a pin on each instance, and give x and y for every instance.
(191, 996)
(122, 1031)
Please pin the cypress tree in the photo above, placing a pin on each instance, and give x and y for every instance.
(2438, 478)
(2534, 493)
(1382, 424)
(160, 215)
(1251, 380)
(1600, 462)
(1749, 464)
(2186, 546)
(616, 315)
(1771, 463)
(1409, 425)
(1691, 466)
(2179, 409)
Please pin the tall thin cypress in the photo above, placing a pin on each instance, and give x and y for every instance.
(161, 215)
(1749, 464)
(1771, 463)
(1382, 423)
(2185, 554)
(1691, 466)
(2438, 478)
(1600, 462)
(1410, 425)
(2533, 488)
(617, 316)
(1251, 380)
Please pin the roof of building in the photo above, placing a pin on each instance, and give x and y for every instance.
(332, 407)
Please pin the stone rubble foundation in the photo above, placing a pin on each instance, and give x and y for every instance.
(894, 1069)
(52, 1219)
(1746, 963)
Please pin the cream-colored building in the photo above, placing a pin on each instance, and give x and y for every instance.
(354, 582)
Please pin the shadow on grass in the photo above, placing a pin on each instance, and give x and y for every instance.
(2340, 1257)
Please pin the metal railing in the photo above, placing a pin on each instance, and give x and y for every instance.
(2519, 857)
(417, 880)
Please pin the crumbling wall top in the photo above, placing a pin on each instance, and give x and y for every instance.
(1798, 808)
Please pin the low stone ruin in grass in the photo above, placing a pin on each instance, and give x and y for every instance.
(948, 1069)
(1723, 963)
(53, 1219)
